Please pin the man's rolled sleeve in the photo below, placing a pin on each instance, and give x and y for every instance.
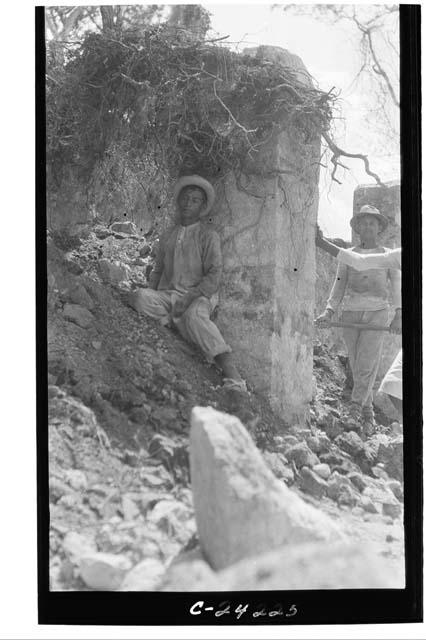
(395, 282)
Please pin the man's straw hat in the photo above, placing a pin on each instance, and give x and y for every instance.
(196, 181)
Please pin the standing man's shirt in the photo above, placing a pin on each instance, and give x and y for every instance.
(189, 259)
(367, 290)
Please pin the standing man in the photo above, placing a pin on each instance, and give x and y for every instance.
(184, 282)
(365, 301)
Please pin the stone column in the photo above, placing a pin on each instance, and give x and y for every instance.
(266, 217)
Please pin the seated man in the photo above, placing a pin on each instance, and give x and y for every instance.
(185, 279)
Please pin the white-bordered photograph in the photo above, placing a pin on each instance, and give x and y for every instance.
(224, 304)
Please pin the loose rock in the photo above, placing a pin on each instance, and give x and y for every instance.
(368, 505)
(112, 272)
(124, 227)
(392, 509)
(301, 455)
(312, 483)
(104, 571)
(322, 470)
(145, 576)
(350, 442)
(396, 488)
(79, 315)
(277, 464)
(77, 545)
(311, 566)
(241, 509)
(76, 479)
(358, 481)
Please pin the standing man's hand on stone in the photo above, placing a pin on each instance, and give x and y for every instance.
(323, 320)
(318, 236)
(396, 324)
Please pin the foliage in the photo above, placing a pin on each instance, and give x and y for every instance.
(186, 103)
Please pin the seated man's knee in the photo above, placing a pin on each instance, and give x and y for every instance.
(195, 314)
(141, 299)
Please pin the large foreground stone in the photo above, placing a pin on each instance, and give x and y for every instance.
(241, 509)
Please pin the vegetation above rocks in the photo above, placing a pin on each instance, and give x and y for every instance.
(182, 102)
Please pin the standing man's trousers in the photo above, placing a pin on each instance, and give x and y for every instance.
(194, 324)
(364, 350)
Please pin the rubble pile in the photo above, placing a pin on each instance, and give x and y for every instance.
(121, 392)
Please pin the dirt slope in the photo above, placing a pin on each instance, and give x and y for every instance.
(121, 389)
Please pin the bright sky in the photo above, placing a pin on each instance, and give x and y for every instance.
(330, 53)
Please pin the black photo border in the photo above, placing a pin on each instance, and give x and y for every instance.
(312, 607)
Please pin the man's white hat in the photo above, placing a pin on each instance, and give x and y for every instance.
(196, 181)
(369, 210)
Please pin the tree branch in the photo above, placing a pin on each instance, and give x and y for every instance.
(378, 69)
(338, 152)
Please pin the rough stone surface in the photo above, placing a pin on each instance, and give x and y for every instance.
(79, 315)
(350, 442)
(309, 566)
(104, 571)
(358, 481)
(397, 490)
(112, 272)
(332, 426)
(301, 455)
(312, 483)
(335, 484)
(368, 505)
(268, 286)
(78, 295)
(278, 464)
(76, 479)
(392, 509)
(145, 576)
(77, 545)
(124, 227)
(391, 454)
(322, 470)
(241, 509)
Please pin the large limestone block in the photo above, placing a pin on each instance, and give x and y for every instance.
(266, 217)
(241, 509)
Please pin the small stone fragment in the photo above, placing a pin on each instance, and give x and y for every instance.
(368, 505)
(104, 571)
(145, 576)
(350, 442)
(78, 545)
(396, 488)
(358, 481)
(76, 479)
(392, 509)
(79, 315)
(124, 227)
(312, 483)
(322, 470)
(301, 455)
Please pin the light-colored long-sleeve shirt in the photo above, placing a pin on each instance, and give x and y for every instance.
(366, 291)
(362, 262)
(189, 259)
